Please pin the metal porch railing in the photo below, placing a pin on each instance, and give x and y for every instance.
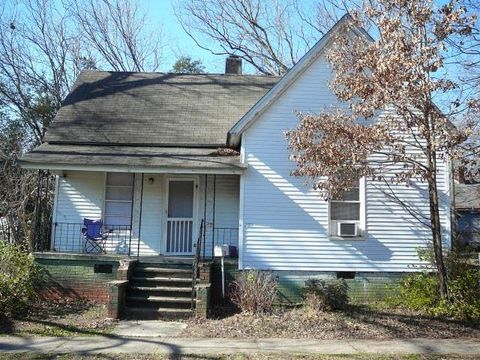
(225, 236)
(196, 260)
(68, 237)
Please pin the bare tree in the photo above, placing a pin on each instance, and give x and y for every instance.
(271, 35)
(44, 44)
(466, 51)
(117, 31)
(34, 61)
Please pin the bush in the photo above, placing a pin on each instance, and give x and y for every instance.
(20, 279)
(421, 291)
(254, 291)
(326, 295)
(418, 291)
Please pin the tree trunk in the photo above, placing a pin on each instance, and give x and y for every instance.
(436, 228)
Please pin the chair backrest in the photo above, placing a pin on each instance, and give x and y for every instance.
(94, 227)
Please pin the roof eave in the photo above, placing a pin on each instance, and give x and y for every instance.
(234, 169)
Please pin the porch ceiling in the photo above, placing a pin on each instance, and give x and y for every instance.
(130, 158)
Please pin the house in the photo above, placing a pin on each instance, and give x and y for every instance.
(467, 212)
(173, 163)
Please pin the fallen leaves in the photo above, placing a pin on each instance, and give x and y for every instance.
(359, 322)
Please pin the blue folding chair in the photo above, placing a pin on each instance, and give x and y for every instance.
(95, 239)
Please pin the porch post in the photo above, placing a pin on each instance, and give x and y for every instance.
(214, 210)
(140, 216)
(131, 215)
(205, 214)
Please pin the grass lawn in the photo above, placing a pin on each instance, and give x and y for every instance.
(60, 318)
(228, 357)
(358, 322)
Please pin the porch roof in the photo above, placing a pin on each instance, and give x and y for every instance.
(131, 158)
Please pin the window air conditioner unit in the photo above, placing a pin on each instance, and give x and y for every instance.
(347, 229)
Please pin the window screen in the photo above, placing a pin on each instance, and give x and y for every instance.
(118, 199)
(180, 199)
(346, 206)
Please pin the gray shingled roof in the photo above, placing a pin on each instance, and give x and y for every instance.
(154, 108)
(467, 196)
(129, 157)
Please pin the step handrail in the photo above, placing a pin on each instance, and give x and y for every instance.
(196, 260)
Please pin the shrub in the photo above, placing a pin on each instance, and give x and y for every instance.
(421, 291)
(254, 291)
(20, 279)
(326, 295)
(418, 291)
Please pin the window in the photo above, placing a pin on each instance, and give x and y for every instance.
(118, 199)
(346, 213)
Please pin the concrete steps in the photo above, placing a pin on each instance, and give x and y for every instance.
(160, 290)
(141, 313)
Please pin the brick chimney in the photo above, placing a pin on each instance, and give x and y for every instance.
(233, 65)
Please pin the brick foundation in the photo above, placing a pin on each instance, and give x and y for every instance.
(203, 289)
(204, 271)
(78, 276)
(116, 298)
(203, 300)
(366, 287)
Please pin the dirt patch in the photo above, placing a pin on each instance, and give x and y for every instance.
(358, 322)
(60, 318)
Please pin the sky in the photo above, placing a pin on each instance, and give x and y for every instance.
(178, 42)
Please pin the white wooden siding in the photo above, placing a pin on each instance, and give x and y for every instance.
(227, 205)
(285, 223)
(152, 213)
(226, 190)
(81, 195)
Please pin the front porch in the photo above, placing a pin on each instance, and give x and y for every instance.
(138, 224)
(145, 214)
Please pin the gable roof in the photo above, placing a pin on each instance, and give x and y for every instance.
(155, 109)
(289, 78)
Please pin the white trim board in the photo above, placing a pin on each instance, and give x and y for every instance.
(132, 169)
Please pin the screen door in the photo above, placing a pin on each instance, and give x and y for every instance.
(180, 217)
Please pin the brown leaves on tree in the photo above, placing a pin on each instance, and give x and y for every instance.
(390, 129)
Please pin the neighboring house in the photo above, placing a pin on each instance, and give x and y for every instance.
(154, 155)
(467, 212)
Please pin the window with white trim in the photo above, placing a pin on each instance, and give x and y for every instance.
(346, 213)
(118, 199)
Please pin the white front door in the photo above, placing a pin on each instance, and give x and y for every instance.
(180, 217)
